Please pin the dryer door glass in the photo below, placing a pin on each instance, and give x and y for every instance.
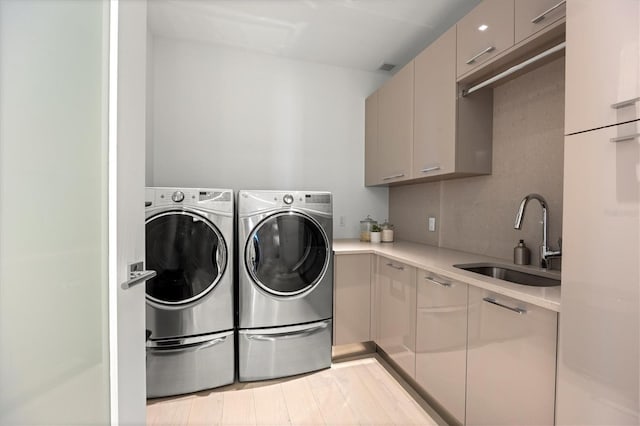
(287, 254)
(188, 253)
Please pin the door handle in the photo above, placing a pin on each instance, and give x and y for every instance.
(137, 275)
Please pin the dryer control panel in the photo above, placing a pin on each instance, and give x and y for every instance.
(203, 198)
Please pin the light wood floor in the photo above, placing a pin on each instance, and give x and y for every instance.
(361, 391)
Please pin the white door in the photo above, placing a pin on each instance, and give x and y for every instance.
(70, 215)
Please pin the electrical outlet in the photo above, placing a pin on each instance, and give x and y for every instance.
(343, 220)
(432, 223)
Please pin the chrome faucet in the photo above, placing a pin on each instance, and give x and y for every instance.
(545, 252)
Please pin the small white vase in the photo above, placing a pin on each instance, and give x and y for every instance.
(376, 237)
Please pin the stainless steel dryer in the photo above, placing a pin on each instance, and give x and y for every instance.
(189, 242)
(285, 283)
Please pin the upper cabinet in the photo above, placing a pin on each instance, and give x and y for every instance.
(532, 16)
(371, 140)
(484, 33)
(603, 60)
(452, 136)
(395, 127)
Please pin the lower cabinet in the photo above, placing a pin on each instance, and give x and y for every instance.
(511, 361)
(352, 304)
(441, 341)
(396, 312)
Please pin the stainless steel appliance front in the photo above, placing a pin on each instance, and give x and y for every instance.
(189, 242)
(285, 278)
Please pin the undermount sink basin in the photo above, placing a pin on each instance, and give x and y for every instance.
(505, 273)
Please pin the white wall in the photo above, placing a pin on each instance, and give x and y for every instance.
(230, 118)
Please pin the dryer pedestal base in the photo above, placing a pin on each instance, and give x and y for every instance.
(175, 369)
(270, 353)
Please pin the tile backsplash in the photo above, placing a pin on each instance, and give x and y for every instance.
(477, 214)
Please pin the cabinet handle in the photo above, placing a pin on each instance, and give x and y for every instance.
(625, 138)
(430, 169)
(487, 50)
(393, 177)
(437, 282)
(518, 311)
(626, 103)
(399, 268)
(546, 12)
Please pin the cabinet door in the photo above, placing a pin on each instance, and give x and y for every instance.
(441, 341)
(352, 299)
(395, 126)
(533, 15)
(483, 33)
(599, 330)
(371, 172)
(602, 63)
(434, 138)
(511, 361)
(397, 313)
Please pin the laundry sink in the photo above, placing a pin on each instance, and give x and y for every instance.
(503, 272)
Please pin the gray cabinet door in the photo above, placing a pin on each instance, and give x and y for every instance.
(396, 316)
(441, 341)
(511, 361)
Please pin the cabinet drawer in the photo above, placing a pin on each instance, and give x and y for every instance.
(533, 15)
(485, 32)
(441, 341)
(511, 361)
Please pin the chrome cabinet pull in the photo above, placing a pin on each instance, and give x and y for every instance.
(137, 275)
(518, 311)
(437, 282)
(393, 177)
(430, 169)
(626, 103)
(399, 268)
(625, 138)
(487, 50)
(546, 12)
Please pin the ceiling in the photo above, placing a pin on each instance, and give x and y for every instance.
(358, 34)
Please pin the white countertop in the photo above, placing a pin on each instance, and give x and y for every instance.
(440, 261)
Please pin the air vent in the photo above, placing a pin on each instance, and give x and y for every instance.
(386, 67)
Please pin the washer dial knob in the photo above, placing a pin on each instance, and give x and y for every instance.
(177, 196)
(288, 199)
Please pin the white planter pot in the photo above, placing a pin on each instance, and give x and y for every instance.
(376, 237)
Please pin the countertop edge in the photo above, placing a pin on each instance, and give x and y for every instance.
(425, 257)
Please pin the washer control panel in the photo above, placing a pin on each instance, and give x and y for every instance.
(205, 198)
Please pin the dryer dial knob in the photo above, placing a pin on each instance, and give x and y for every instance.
(177, 196)
(288, 199)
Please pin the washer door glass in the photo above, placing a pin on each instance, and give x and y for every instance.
(188, 253)
(287, 254)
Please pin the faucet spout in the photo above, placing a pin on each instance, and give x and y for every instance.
(545, 252)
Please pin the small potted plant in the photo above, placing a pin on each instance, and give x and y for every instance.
(376, 234)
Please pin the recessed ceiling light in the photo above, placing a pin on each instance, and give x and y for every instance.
(483, 27)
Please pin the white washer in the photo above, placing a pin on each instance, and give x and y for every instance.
(285, 283)
(190, 303)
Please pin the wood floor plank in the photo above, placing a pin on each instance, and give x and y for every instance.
(359, 397)
(413, 413)
(331, 401)
(271, 408)
(349, 393)
(207, 409)
(238, 408)
(301, 405)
